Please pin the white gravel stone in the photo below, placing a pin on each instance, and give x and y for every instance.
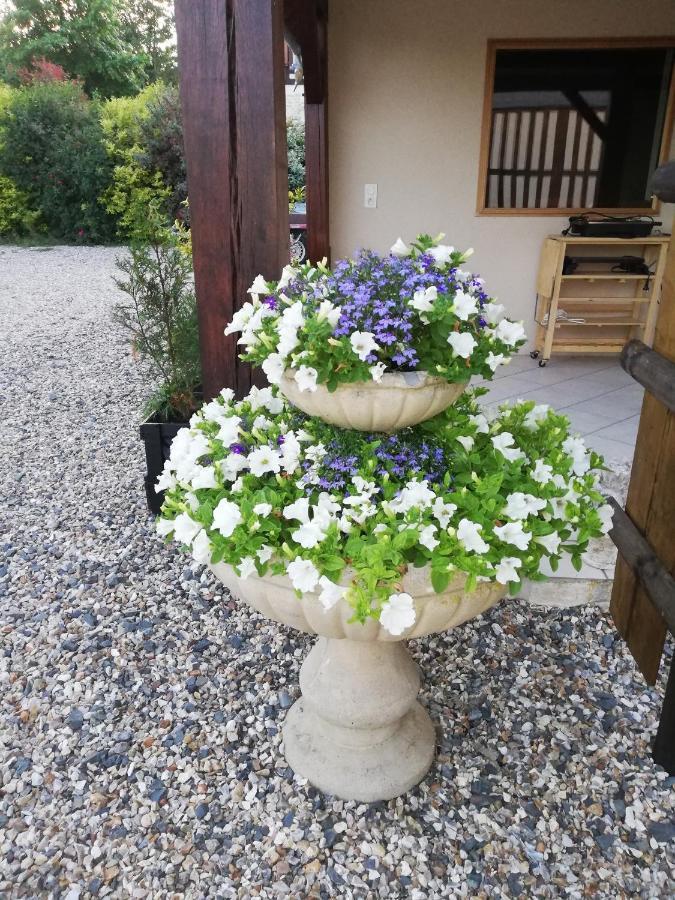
(134, 765)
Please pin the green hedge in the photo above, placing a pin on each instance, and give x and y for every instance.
(82, 171)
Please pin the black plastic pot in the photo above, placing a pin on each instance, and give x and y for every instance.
(157, 437)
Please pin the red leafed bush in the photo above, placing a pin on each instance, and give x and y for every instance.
(41, 71)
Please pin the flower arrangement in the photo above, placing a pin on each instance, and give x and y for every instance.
(414, 310)
(343, 514)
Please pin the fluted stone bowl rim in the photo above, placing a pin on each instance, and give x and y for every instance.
(275, 598)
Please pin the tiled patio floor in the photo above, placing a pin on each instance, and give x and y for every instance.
(602, 402)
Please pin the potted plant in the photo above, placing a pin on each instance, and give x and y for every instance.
(378, 343)
(368, 539)
(161, 316)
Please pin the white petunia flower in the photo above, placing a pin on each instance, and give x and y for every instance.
(468, 534)
(229, 430)
(464, 305)
(493, 312)
(507, 569)
(363, 344)
(542, 472)
(416, 494)
(503, 443)
(201, 548)
(247, 568)
(443, 512)
(303, 574)
(536, 415)
(262, 509)
(232, 465)
(260, 398)
(329, 311)
(290, 452)
(331, 593)
(237, 485)
(205, 478)
(215, 411)
(265, 553)
(306, 377)
(164, 526)
(462, 343)
(241, 318)
(427, 539)
(513, 533)
(509, 332)
(185, 529)
(606, 513)
(400, 249)
(481, 423)
(466, 441)
(227, 394)
(423, 299)
(263, 460)
(298, 510)
(226, 517)
(288, 273)
(261, 423)
(495, 360)
(377, 371)
(576, 450)
(441, 254)
(550, 542)
(274, 367)
(259, 286)
(166, 480)
(309, 534)
(520, 505)
(398, 613)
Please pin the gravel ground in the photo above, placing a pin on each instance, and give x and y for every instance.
(140, 744)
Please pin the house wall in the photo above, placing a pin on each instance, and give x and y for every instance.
(406, 83)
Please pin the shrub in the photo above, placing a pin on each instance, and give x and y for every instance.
(16, 218)
(295, 134)
(161, 314)
(161, 139)
(41, 71)
(53, 150)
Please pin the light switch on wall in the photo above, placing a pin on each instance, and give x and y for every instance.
(370, 196)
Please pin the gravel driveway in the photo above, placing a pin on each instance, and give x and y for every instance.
(140, 744)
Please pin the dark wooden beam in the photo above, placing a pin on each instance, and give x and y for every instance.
(663, 750)
(653, 371)
(230, 58)
(305, 22)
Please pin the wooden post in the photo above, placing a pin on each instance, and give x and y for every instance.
(306, 25)
(651, 503)
(231, 68)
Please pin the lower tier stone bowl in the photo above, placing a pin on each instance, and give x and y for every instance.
(400, 399)
(358, 732)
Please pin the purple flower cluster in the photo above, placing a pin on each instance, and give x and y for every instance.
(402, 456)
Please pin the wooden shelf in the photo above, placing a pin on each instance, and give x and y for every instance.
(592, 295)
(606, 276)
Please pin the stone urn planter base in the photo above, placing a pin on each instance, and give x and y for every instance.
(400, 399)
(358, 732)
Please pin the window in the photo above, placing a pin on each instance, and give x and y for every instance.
(574, 127)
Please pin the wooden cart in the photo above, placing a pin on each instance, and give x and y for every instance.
(610, 306)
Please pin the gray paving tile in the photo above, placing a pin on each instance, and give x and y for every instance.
(585, 422)
(625, 431)
(617, 405)
(611, 450)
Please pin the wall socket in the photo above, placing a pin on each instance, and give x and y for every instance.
(370, 196)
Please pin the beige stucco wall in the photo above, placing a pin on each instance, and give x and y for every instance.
(406, 80)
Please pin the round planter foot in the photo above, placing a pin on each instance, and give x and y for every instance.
(358, 732)
(385, 771)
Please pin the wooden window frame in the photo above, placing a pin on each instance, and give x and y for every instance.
(495, 44)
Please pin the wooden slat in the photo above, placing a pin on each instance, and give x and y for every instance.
(651, 370)
(559, 144)
(230, 55)
(542, 159)
(651, 503)
(664, 743)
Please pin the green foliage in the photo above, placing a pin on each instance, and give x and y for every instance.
(86, 37)
(52, 149)
(16, 218)
(147, 26)
(121, 119)
(295, 134)
(161, 140)
(161, 314)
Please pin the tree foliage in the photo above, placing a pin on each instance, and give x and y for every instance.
(113, 48)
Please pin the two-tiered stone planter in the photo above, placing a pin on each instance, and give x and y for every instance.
(358, 731)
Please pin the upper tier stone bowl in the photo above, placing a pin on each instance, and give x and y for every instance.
(358, 731)
(400, 399)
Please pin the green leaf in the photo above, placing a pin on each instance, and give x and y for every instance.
(440, 579)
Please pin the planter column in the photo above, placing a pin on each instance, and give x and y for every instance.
(358, 732)
(231, 68)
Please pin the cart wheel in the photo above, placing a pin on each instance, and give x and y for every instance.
(534, 354)
(542, 363)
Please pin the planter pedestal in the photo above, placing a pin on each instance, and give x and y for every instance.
(358, 732)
